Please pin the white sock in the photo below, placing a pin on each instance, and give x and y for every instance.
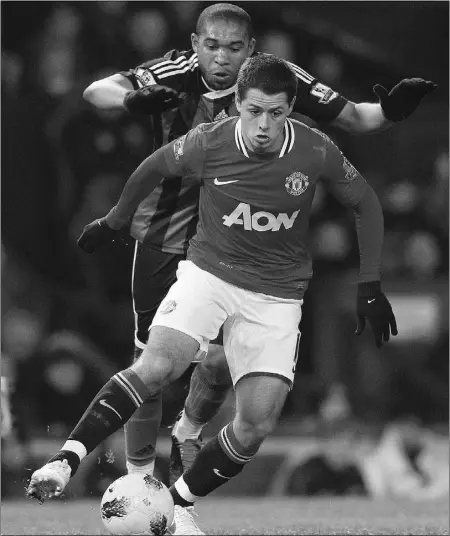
(148, 468)
(184, 491)
(75, 446)
(185, 429)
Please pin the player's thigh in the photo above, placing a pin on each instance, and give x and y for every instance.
(259, 401)
(216, 366)
(197, 305)
(263, 338)
(154, 272)
(167, 354)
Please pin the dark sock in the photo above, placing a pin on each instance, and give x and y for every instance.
(220, 459)
(111, 408)
(205, 398)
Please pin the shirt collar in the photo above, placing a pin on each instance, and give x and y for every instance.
(213, 95)
(289, 138)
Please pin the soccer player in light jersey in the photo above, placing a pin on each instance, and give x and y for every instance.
(179, 91)
(247, 269)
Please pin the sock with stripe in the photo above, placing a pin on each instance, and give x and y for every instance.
(111, 408)
(204, 400)
(220, 459)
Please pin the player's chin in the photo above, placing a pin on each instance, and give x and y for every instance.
(216, 81)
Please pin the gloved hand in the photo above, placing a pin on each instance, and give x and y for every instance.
(97, 234)
(372, 304)
(404, 98)
(151, 99)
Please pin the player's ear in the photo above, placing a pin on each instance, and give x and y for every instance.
(291, 106)
(194, 42)
(238, 104)
(251, 46)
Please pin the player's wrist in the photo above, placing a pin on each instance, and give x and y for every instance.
(368, 289)
(113, 221)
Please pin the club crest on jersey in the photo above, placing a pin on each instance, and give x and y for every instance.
(178, 147)
(296, 183)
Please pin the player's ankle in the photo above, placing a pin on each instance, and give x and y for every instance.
(72, 459)
(147, 468)
(184, 428)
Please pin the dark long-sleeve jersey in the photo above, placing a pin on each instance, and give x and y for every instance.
(254, 209)
(167, 219)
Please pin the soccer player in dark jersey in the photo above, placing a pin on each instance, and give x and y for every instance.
(247, 269)
(179, 91)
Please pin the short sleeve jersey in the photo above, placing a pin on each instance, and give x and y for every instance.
(254, 208)
(167, 219)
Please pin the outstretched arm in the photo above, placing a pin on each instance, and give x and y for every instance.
(393, 106)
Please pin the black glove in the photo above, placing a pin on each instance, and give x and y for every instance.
(151, 99)
(97, 234)
(403, 99)
(373, 305)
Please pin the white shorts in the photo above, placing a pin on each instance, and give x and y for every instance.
(260, 332)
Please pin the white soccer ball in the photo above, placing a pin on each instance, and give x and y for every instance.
(137, 504)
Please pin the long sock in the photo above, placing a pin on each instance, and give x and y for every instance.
(141, 431)
(141, 434)
(204, 400)
(111, 408)
(220, 459)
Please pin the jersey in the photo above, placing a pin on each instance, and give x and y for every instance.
(167, 219)
(254, 208)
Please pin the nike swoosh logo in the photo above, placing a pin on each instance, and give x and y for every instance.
(216, 471)
(370, 301)
(219, 183)
(104, 403)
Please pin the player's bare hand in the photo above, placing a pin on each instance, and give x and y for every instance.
(403, 99)
(372, 305)
(151, 99)
(97, 234)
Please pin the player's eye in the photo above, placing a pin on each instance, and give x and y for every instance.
(276, 114)
(254, 112)
(211, 47)
(235, 49)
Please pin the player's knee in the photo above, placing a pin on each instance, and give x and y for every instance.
(215, 367)
(155, 370)
(253, 429)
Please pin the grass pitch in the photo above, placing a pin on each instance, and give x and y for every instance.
(247, 516)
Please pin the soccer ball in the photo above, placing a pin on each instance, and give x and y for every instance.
(137, 504)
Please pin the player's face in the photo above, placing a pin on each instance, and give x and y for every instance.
(263, 117)
(222, 48)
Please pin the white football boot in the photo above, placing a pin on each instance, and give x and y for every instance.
(183, 522)
(49, 481)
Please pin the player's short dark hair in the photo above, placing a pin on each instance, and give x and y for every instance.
(267, 73)
(227, 12)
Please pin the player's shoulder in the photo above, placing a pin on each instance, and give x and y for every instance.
(217, 132)
(172, 57)
(305, 132)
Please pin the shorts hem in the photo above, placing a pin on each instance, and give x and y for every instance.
(262, 373)
(203, 344)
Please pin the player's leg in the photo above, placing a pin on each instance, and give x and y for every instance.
(187, 319)
(261, 344)
(209, 386)
(154, 272)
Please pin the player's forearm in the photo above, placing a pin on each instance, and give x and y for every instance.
(106, 95)
(370, 231)
(362, 118)
(140, 185)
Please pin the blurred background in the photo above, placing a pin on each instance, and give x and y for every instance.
(67, 322)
